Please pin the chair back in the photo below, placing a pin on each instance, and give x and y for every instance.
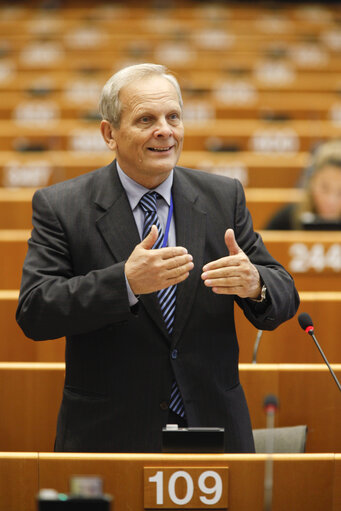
(281, 440)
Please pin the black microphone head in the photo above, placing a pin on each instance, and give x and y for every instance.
(305, 321)
(271, 401)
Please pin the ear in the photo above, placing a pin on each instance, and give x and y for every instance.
(107, 133)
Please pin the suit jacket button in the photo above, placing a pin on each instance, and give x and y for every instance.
(174, 354)
(164, 405)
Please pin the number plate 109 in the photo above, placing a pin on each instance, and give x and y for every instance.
(185, 487)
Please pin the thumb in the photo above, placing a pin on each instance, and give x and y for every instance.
(231, 243)
(149, 241)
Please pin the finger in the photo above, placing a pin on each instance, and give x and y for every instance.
(170, 252)
(174, 262)
(179, 270)
(228, 261)
(149, 241)
(176, 280)
(231, 243)
(227, 290)
(223, 272)
(223, 282)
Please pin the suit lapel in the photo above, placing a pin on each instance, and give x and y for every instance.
(115, 220)
(117, 226)
(190, 221)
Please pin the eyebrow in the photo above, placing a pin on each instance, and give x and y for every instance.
(152, 113)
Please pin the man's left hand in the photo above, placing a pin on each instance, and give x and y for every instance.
(233, 274)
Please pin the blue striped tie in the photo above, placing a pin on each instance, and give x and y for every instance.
(166, 296)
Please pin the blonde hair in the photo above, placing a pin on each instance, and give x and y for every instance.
(327, 154)
(110, 106)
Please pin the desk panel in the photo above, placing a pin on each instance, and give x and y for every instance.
(32, 395)
(301, 482)
(307, 395)
(313, 258)
(30, 398)
(288, 343)
(216, 135)
(13, 248)
(16, 204)
(19, 481)
(15, 346)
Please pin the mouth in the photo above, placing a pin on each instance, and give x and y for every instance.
(160, 149)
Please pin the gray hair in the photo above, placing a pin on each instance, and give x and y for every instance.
(110, 106)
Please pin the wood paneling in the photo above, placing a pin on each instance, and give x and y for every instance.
(307, 394)
(30, 399)
(19, 482)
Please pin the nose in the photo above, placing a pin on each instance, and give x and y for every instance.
(163, 129)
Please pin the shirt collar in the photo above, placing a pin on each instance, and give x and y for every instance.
(135, 191)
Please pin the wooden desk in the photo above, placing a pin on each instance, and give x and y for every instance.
(287, 344)
(254, 105)
(263, 203)
(301, 482)
(62, 78)
(191, 13)
(294, 80)
(16, 204)
(19, 481)
(307, 394)
(25, 170)
(14, 345)
(258, 136)
(194, 62)
(219, 134)
(313, 258)
(31, 395)
(13, 248)
(34, 169)
(120, 35)
(16, 208)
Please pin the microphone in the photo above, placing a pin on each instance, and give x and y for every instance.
(256, 346)
(270, 407)
(306, 323)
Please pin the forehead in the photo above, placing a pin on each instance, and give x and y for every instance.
(149, 92)
(329, 172)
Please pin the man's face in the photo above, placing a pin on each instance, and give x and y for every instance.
(149, 140)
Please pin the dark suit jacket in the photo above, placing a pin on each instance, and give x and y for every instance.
(119, 367)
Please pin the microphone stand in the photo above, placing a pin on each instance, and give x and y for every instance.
(256, 346)
(311, 332)
(268, 469)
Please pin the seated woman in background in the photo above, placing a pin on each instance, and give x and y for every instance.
(320, 207)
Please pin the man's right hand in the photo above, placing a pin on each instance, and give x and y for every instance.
(150, 270)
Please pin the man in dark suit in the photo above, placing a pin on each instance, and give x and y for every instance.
(92, 273)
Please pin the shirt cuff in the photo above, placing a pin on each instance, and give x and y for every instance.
(131, 297)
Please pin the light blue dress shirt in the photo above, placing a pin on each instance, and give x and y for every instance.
(135, 192)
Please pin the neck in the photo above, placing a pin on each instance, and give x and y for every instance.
(147, 181)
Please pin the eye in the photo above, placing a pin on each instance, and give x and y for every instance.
(145, 119)
(174, 116)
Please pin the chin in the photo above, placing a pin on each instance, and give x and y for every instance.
(164, 166)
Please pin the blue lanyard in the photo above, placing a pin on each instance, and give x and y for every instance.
(169, 219)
